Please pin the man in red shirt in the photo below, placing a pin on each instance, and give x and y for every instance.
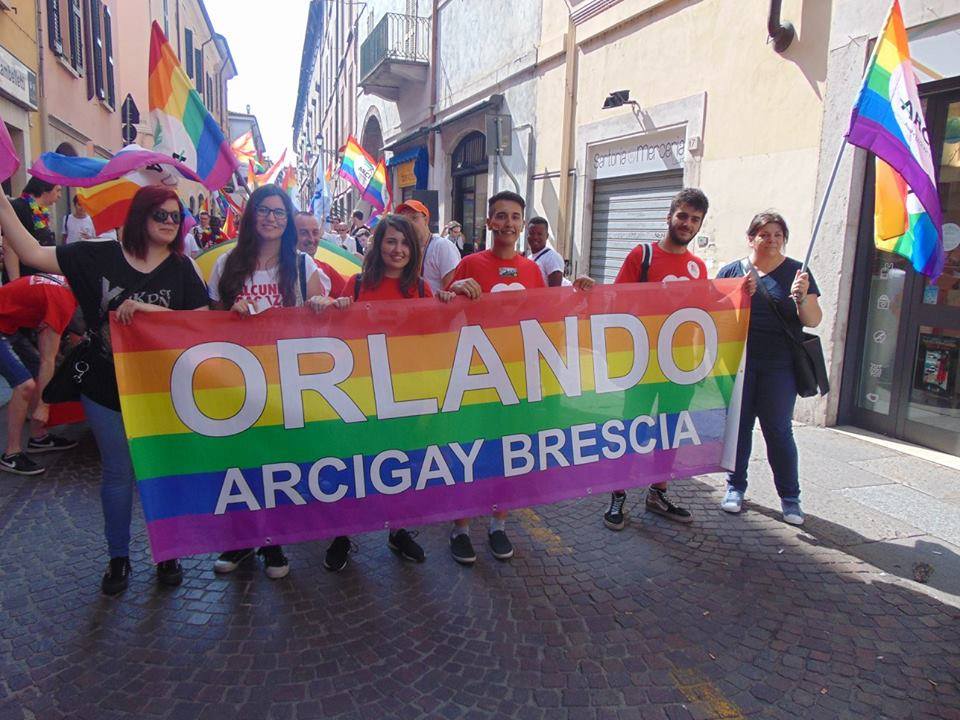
(308, 240)
(43, 303)
(667, 260)
(499, 269)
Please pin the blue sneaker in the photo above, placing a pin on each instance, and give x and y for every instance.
(791, 511)
(732, 501)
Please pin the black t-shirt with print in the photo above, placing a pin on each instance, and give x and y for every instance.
(98, 273)
(44, 237)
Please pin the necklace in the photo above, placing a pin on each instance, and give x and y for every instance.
(41, 216)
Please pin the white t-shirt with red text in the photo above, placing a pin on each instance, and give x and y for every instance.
(263, 286)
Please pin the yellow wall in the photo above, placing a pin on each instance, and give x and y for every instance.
(18, 34)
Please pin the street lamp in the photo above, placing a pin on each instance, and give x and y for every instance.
(619, 98)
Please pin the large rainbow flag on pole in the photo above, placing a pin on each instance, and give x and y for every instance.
(888, 120)
(357, 167)
(291, 426)
(182, 126)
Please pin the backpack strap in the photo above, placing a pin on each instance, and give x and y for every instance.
(647, 257)
(357, 279)
(302, 273)
(421, 290)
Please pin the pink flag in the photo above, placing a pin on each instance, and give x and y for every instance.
(9, 162)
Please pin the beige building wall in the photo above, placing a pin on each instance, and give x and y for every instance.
(752, 116)
(18, 37)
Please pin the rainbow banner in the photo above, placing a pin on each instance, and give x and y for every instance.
(291, 426)
(357, 167)
(183, 128)
(888, 120)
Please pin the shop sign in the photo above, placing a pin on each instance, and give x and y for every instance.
(639, 154)
(17, 80)
(406, 175)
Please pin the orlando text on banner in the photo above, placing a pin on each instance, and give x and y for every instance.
(290, 426)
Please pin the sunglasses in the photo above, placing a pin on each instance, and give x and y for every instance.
(161, 216)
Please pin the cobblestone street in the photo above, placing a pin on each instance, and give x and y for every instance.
(729, 617)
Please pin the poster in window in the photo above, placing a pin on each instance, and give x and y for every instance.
(937, 359)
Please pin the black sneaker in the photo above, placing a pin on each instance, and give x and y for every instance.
(403, 543)
(500, 545)
(49, 443)
(20, 464)
(230, 561)
(117, 577)
(615, 518)
(336, 557)
(657, 502)
(275, 563)
(169, 572)
(462, 549)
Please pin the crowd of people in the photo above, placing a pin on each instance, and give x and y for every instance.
(272, 265)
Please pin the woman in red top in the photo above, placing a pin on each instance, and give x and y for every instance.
(391, 271)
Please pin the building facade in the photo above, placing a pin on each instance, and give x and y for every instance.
(598, 111)
(19, 86)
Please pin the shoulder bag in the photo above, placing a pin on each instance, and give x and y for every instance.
(809, 366)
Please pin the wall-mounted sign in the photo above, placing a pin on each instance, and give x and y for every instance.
(406, 174)
(638, 154)
(17, 80)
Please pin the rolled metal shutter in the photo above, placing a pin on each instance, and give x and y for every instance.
(626, 212)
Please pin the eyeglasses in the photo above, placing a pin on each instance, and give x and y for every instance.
(162, 216)
(264, 212)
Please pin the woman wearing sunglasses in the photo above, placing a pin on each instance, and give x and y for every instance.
(265, 270)
(146, 272)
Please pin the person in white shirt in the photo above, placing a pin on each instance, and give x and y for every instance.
(440, 256)
(78, 225)
(547, 259)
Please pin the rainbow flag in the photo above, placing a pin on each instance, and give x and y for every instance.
(289, 426)
(357, 167)
(245, 149)
(888, 120)
(183, 128)
(377, 192)
(9, 160)
(85, 172)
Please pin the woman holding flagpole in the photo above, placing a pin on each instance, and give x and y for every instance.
(146, 272)
(265, 270)
(786, 300)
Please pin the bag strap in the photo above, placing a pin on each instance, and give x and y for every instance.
(749, 269)
(647, 257)
(357, 279)
(541, 254)
(302, 274)
(421, 290)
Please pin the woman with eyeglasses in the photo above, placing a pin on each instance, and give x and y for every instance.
(265, 270)
(146, 272)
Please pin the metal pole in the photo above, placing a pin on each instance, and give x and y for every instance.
(823, 204)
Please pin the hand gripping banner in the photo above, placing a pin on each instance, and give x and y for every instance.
(291, 426)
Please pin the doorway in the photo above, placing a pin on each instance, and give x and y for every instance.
(903, 376)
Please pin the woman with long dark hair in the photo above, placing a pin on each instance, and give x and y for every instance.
(391, 271)
(265, 270)
(146, 272)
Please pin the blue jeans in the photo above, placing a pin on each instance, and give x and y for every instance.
(117, 478)
(769, 394)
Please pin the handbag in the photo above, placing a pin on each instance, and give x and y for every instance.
(67, 381)
(809, 366)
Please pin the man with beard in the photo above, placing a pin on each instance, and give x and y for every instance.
(667, 260)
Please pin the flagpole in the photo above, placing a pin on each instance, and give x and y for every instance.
(823, 204)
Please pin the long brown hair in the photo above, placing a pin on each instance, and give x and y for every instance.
(373, 265)
(148, 199)
(241, 263)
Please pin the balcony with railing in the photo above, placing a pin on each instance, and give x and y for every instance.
(396, 52)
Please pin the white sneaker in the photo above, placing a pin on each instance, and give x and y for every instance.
(732, 501)
(792, 513)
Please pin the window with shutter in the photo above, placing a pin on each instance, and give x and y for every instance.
(198, 69)
(96, 40)
(108, 43)
(76, 35)
(188, 55)
(53, 26)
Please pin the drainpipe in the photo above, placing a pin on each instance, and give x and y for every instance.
(44, 117)
(433, 148)
(781, 34)
(564, 241)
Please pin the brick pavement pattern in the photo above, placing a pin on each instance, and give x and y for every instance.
(730, 617)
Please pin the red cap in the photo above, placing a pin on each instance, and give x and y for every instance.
(414, 205)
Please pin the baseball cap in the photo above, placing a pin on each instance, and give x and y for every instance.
(414, 205)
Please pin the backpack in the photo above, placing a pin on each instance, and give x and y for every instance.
(358, 278)
(646, 258)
